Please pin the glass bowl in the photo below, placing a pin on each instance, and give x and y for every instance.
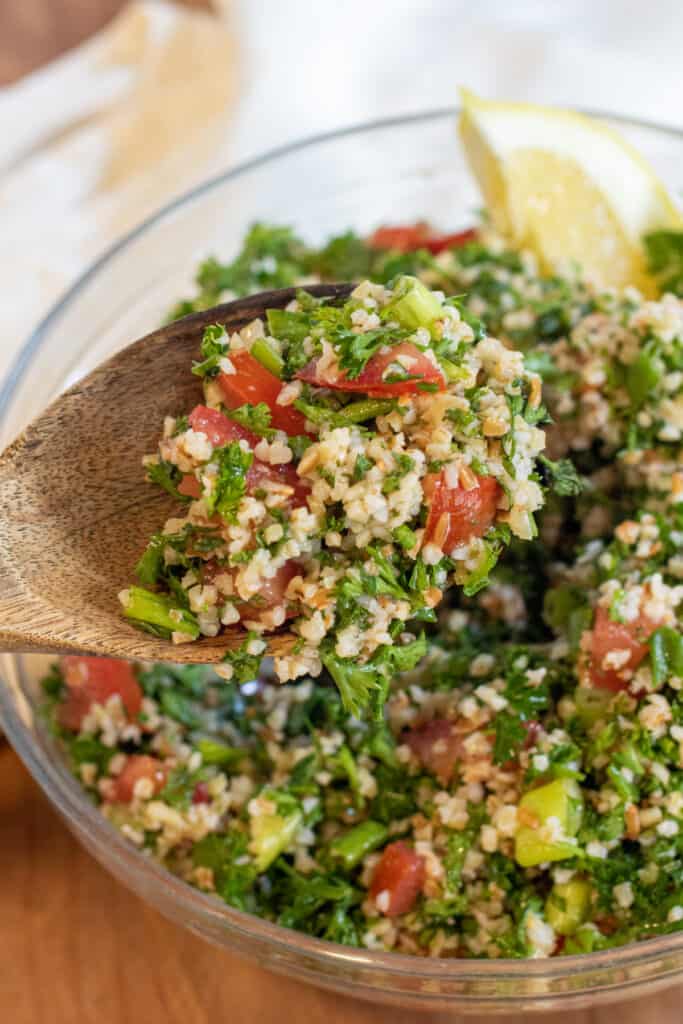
(395, 170)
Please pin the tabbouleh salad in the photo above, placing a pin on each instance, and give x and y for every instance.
(349, 461)
(520, 793)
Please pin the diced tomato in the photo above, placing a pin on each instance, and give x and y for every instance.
(401, 237)
(533, 732)
(93, 681)
(400, 873)
(607, 924)
(201, 794)
(190, 486)
(456, 514)
(437, 746)
(609, 636)
(371, 381)
(439, 243)
(253, 383)
(409, 237)
(218, 428)
(220, 431)
(138, 766)
(271, 594)
(260, 472)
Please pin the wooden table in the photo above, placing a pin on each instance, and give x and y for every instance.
(75, 946)
(78, 948)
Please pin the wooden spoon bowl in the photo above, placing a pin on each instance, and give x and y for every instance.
(76, 511)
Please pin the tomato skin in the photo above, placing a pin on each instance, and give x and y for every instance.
(91, 680)
(439, 243)
(253, 383)
(190, 486)
(257, 475)
(271, 594)
(138, 766)
(401, 873)
(609, 636)
(370, 381)
(409, 237)
(469, 512)
(200, 794)
(221, 431)
(218, 428)
(286, 474)
(400, 237)
(437, 746)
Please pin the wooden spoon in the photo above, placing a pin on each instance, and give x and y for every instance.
(76, 511)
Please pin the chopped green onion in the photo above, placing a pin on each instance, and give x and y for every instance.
(271, 834)
(352, 846)
(355, 412)
(666, 654)
(642, 376)
(268, 357)
(452, 370)
(406, 537)
(159, 612)
(288, 326)
(414, 304)
(219, 753)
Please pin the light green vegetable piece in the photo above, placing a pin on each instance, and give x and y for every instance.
(271, 834)
(157, 612)
(591, 704)
(567, 905)
(352, 846)
(268, 357)
(413, 305)
(556, 811)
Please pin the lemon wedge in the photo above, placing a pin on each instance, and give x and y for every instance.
(567, 187)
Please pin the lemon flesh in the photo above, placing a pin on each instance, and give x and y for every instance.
(567, 187)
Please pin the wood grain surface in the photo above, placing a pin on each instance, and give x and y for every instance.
(63, 561)
(78, 948)
(75, 946)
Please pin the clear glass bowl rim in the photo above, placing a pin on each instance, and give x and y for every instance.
(591, 977)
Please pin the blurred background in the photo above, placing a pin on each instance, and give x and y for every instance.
(108, 109)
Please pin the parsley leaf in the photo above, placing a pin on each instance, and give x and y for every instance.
(562, 476)
(364, 687)
(231, 480)
(665, 259)
(213, 348)
(354, 351)
(234, 873)
(345, 258)
(245, 666)
(254, 417)
(167, 476)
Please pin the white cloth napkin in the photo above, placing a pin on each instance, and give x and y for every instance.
(100, 138)
(97, 140)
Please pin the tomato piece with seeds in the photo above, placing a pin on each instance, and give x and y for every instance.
(608, 636)
(398, 879)
(137, 767)
(457, 514)
(375, 380)
(92, 680)
(253, 383)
